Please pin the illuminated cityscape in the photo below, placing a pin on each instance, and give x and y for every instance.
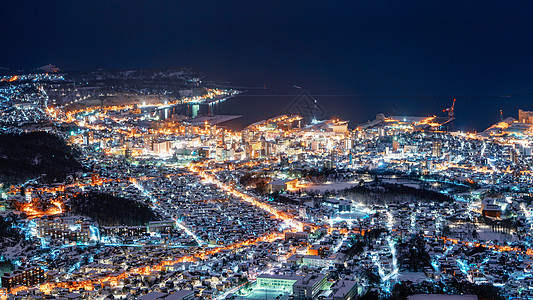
(250, 150)
(285, 208)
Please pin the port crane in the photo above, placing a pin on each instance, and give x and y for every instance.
(451, 113)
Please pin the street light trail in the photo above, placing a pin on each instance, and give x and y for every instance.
(287, 218)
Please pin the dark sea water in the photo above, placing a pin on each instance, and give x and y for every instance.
(473, 113)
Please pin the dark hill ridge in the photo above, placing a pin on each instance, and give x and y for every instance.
(30, 155)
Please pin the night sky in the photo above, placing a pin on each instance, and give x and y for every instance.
(396, 57)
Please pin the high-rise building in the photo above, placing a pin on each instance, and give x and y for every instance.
(525, 116)
(347, 143)
(513, 156)
(148, 141)
(24, 276)
(63, 230)
(162, 147)
(395, 145)
(334, 158)
(437, 148)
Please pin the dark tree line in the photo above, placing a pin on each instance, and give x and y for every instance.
(7, 229)
(109, 210)
(260, 182)
(392, 193)
(412, 254)
(9, 234)
(30, 155)
(482, 291)
(359, 242)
